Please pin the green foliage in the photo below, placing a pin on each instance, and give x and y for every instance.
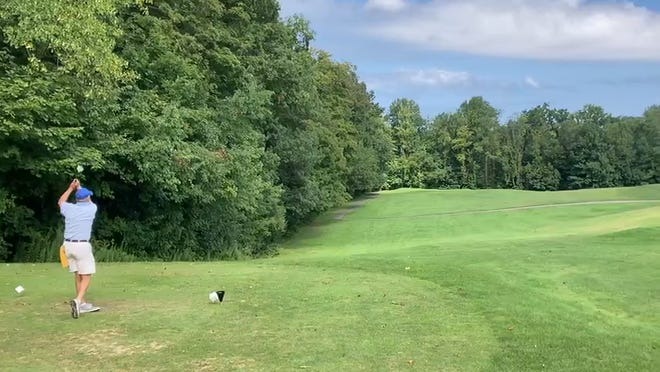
(407, 129)
(207, 129)
(361, 142)
(543, 149)
(14, 222)
(40, 246)
(104, 251)
(210, 129)
(66, 36)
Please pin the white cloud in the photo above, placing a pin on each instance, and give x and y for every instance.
(435, 77)
(532, 82)
(572, 3)
(386, 5)
(419, 78)
(538, 29)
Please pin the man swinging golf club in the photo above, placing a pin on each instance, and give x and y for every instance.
(78, 220)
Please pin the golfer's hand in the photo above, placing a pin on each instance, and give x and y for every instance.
(75, 184)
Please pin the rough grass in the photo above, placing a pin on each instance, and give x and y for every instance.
(421, 280)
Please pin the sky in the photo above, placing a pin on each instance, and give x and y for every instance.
(517, 54)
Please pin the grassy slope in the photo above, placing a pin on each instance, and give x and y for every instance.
(402, 282)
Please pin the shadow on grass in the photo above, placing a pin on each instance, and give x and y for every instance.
(338, 214)
(313, 228)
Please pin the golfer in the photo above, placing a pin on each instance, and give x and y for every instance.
(78, 220)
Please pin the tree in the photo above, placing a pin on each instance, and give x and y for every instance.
(586, 161)
(541, 155)
(58, 77)
(407, 127)
(357, 124)
(647, 148)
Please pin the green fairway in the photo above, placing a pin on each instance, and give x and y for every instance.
(423, 280)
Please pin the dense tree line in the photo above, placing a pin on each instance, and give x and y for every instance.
(206, 128)
(210, 129)
(542, 149)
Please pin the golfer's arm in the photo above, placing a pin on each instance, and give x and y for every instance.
(65, 196)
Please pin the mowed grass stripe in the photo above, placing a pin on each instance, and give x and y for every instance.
(355, 234)
(415, 202)
(509, 209)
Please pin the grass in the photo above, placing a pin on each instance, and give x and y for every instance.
(408, 280)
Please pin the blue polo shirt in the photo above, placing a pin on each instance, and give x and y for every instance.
(78, 220)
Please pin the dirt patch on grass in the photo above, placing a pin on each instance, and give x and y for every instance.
(111, 343)
(221, 362)
(208, 364)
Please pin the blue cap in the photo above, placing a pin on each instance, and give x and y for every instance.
(82, 193)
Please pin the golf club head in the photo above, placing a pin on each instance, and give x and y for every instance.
(216, 296)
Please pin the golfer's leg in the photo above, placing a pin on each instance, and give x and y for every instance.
(85, 279)
(86, 267)
(78, 279)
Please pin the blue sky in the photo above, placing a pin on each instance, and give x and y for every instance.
(515, 53)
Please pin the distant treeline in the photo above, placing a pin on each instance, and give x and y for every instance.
(542, 149)
(210, 129)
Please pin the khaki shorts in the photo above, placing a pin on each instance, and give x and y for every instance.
(81, 258)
